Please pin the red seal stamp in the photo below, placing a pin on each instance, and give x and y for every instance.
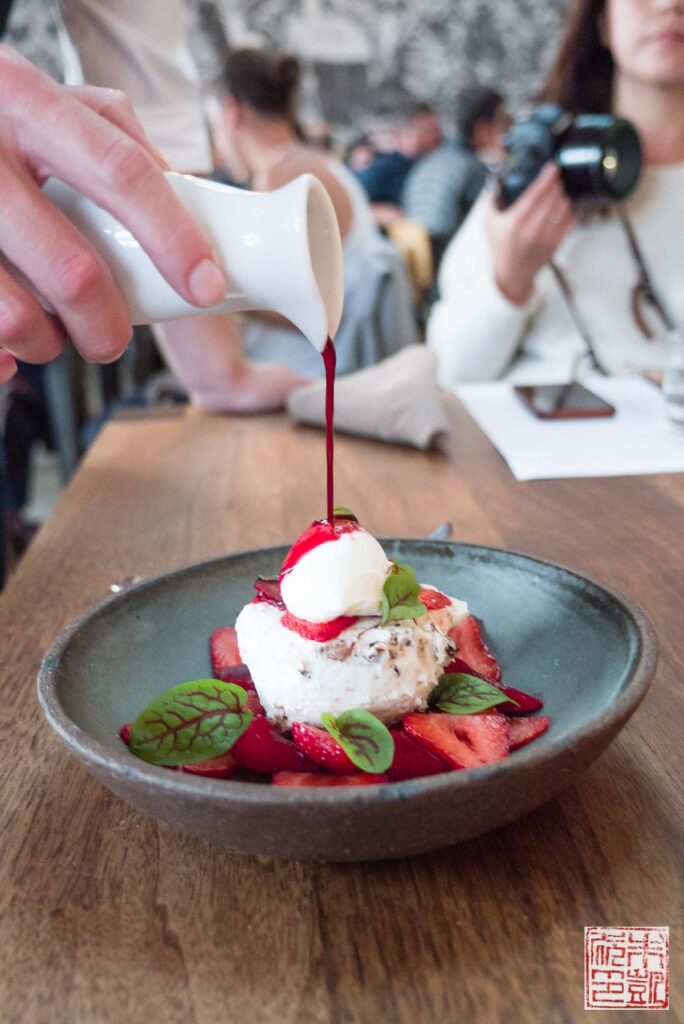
(626, 968)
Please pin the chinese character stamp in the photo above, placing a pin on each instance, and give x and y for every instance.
(626, 968)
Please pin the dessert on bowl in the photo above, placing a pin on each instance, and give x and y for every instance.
(334, 647)
(344, 670)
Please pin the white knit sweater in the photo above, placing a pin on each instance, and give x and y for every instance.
(477, 334)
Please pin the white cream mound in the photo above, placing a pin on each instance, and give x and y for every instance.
(388, 670)
(342, 577)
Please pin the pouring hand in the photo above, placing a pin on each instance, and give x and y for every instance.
(91, 139)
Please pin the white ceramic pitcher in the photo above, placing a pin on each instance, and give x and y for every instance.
(281, 251)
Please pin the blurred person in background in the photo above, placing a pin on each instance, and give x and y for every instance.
(257, 94)
(501, 313)
(395, 154)
(442, 187)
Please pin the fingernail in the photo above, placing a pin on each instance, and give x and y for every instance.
(207, 283)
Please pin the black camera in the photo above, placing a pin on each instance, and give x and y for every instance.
(599, 155)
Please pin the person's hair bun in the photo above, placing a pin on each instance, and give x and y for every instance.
(267, 80)
(288, 72)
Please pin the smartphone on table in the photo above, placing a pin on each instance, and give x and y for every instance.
(563, 401)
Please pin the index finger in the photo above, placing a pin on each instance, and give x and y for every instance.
(102, 162)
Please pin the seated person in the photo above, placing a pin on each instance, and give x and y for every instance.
(502, 313)
(258, 104)
(384, 175)
(442, 186)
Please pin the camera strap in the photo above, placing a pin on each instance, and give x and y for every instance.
(577, 318)
(645, 280)
(645, 286)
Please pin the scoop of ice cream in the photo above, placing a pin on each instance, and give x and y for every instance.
(387, 670)
(340, 572)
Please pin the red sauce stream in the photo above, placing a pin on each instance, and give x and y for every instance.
(329, 359)
(320, 532)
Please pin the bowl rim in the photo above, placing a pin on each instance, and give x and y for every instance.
(127, 767)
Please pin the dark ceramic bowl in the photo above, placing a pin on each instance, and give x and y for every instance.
(587, 651)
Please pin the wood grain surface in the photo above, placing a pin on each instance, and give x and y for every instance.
(108, 917)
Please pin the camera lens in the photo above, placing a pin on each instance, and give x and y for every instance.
(610, 163)
(600, 158)
(621, 163)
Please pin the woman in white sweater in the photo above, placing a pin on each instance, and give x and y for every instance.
(501, 312)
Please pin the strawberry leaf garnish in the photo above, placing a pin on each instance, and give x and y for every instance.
(363, 737)
(190, 722)
(399, 597)
(458, 693)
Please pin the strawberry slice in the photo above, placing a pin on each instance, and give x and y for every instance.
(125, 735)
(223, 647)
(411, 760)
(463, 741)
(322, 748)
(220, 767)
(433, 599)
(263, 749)
(524, 702)
(319, 631)
(253, 703)
(268, 591)
(238, 674)
(524, 730)
(473, 650)
(313, 779)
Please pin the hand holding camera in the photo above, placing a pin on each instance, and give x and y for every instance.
(525, 236)
(554, 160)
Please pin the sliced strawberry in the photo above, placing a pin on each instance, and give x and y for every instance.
(322, 748)
(524, 702)
(463, 741)
(253, 703)
(313, 779)
(125, 735)
(269, 592)
(220, 767)
(411, 760)
(524, 730)
(263, 749)
(433, 599)
(319, 631)
(473, 650)
(223, 647)
(238, 674)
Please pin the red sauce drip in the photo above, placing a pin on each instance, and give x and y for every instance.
(318, 533)
(329, 359)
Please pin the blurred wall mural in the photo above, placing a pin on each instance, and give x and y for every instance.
(364, 58)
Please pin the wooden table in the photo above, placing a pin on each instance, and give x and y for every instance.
(108, 917)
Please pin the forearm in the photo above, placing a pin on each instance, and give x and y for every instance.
(474, 329)
(475, 333)
(206, 356)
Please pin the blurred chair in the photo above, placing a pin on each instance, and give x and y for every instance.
(413, 242)
(63, 398)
